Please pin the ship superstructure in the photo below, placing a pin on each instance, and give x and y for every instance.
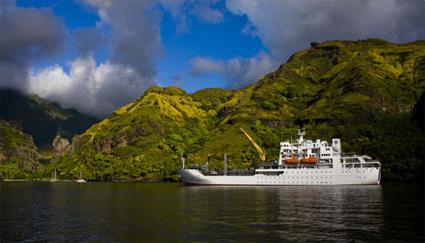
(304, 162)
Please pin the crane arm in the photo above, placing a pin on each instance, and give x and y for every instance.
(260, 151)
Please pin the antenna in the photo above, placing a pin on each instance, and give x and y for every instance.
(301, 133)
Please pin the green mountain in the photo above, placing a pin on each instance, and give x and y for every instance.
(18, 154)
(41, 119)
(361, 91)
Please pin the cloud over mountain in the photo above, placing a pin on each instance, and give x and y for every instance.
(237, 71)
(130, 32)
(286, 26)
(92, 88)
(99, 88)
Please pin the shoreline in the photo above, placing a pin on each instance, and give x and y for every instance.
(388, 181)
(90, 181)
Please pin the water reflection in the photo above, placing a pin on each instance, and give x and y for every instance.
(290, 213)
(169, 212)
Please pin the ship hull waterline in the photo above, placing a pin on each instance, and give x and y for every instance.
(310, 177)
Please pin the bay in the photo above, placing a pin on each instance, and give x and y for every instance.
(164, 212)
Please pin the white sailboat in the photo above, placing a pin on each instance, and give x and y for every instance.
(54, 178)
(80, 179)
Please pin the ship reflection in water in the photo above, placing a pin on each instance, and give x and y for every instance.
(296, 213)
(150, 212)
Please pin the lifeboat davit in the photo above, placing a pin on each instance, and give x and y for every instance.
(309, 160)
(292, 160)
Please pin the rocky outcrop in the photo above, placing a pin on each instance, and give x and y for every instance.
(60, 146)
(2, 157)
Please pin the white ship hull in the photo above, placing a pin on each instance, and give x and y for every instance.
(302, 163)
(302, 176)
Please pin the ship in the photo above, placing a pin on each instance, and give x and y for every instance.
(304, 162)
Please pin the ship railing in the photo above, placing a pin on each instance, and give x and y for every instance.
(238, 172)
(349, 154)
(306, 166)
(374, 164)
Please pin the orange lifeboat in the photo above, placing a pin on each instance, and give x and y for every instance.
(292, 160)
(309, 160)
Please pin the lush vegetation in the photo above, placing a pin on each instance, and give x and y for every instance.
(18, 154)
(366, 92)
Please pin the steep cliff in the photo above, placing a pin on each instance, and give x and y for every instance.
(18, 154)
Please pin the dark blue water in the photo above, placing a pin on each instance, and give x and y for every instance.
(108, 212)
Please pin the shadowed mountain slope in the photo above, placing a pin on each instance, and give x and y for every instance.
(41, 119)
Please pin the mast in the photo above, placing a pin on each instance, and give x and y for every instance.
(183, 161)
(301, 133)
(290, 141)
(225, 164)
(53, 179)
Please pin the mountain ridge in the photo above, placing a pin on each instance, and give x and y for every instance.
(363, 92)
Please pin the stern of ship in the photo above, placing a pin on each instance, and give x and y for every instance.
(192, 176)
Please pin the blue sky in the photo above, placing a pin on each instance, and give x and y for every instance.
(97, 55)
(219, 41)
(222, 40)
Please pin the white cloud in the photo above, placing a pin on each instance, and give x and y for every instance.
(202, 65)
(26, 36)
(286, 26)
(176, 8)
(131, 32)
(238, 72)
(88, 87)
(134, 37)
(204, 10)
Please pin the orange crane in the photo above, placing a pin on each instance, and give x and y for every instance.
(260, 151)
